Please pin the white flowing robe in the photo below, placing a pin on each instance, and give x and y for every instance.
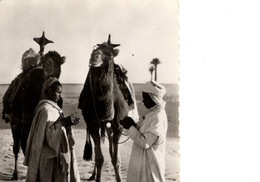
(133, 112)
(147, 161)
(49, 151)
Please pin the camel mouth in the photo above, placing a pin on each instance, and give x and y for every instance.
(95, 64)
(97, 59)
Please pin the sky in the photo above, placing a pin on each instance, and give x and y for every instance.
(145, 30)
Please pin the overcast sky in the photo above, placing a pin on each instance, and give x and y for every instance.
(145, 30)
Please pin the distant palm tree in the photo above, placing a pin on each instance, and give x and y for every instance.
(151, 69)
(155, 62)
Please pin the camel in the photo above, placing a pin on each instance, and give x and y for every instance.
(104, 100)
(25, 91)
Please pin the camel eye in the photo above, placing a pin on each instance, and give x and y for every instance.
(48, 62)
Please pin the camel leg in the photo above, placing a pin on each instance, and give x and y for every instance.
(15, 173)
(116, 160)
(99, 158)
(16, 146)
(93, 176)
(24, 135)
(114, 152)
(109, 135)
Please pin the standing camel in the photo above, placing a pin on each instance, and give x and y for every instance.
(105, 100)
(24, 93)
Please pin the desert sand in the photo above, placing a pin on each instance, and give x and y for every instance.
(86, 167)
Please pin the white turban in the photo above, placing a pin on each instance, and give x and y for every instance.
(47, 84)
(156, 92)
(29, 59)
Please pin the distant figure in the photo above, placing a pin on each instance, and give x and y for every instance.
(49, 152)
(147, 161)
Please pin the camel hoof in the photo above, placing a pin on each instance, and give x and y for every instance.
(15, 176)
(91, 178)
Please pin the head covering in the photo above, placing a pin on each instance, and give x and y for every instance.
(47, 84)
(156, 92)
(29, 59)
(155, 88)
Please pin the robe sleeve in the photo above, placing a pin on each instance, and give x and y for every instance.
(36, 137)
(34, 144)
(145, 140)
(157, 125)
(53, 136)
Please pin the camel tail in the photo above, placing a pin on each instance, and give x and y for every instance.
(87, 155)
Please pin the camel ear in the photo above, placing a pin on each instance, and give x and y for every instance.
(63, 59)
(116, 52)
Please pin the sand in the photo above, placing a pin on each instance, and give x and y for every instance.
(85, 168)
(70, 96)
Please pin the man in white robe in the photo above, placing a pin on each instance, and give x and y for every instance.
(147, 161)
(49, 152)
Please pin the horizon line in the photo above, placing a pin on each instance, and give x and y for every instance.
(83, 83)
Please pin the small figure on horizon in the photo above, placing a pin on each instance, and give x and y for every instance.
(147, 161)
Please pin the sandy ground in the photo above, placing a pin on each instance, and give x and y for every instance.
(85, 168)
(71, 93)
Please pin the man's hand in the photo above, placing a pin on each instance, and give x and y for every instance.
(127, 122)
(70, 120)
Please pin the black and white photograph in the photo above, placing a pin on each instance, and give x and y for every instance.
(131, 91)
(89, 91)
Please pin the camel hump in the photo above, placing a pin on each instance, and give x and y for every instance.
(20, 81)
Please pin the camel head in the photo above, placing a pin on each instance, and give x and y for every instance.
(52, 62)
(103, 54)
